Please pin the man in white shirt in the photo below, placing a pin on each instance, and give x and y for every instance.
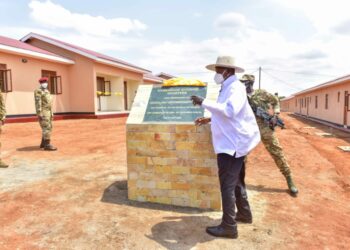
(235, 133)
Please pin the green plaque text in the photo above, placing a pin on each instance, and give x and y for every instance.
(173, 104)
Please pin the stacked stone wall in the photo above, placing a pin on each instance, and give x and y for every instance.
(172, 164)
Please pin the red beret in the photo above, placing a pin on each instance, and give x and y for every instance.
(43, 79)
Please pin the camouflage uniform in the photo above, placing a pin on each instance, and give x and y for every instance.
(267, 101)
(2, 118)
(270, 103)
(43, 106)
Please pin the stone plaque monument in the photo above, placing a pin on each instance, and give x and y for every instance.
(170, 160)
(172, 104)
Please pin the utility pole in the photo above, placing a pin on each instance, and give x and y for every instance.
(259, 77)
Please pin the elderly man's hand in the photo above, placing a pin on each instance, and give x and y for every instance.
(202, 120)
(197, 100)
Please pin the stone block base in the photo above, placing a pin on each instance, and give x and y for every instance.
(172, 164)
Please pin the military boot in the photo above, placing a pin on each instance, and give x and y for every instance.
(48, 146)
(3, 165)
(42, 144)
(292, 188)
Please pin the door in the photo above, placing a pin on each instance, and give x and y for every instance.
(346, 108)
(100, 90)
(125, 96)
(307, 105)
(2, 77)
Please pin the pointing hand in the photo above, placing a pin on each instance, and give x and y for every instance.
(197, 100)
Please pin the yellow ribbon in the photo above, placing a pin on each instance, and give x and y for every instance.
(180, 81)
(100, 93)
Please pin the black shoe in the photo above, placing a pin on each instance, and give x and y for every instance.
(291, 186)
(48, 146)
(248, 220)
(220, 231)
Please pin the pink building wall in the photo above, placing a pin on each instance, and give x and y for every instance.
(288, 105)
(25, 80)
(82, 93)
(79, 82)
(81, 75)
(83, 78)
(110, 70)
(305, 104)
(132, 79)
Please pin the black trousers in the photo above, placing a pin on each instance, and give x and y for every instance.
(233, 191)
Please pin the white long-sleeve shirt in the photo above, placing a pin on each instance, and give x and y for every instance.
(233, 124)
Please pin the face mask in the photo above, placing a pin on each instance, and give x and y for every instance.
(249, 88)
(44, 85)
(219, 78)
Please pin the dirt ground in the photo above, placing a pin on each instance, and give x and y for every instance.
(76, 198)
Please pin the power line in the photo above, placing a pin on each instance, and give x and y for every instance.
(299, 73)
(252, 73)
(278, 79)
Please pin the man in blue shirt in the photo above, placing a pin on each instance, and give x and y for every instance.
(234, 133)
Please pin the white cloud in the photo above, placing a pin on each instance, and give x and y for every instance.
(342, 28)
(313, 54)
(309, 60)
(108, 45)
(231, 21)
(324, 15)
(180, 57)
(289, 66)
(55, 16)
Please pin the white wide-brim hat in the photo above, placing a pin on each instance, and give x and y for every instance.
(225, 62)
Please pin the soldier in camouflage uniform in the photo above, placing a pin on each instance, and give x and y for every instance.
(43, 105)
(261, 98)
(2, 120)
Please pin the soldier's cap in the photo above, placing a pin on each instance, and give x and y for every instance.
(247, 78)
(43, 80)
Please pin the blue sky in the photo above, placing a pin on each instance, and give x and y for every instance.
(297, 43)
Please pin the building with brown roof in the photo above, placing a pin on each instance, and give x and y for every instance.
(328, 102)
(83, 82)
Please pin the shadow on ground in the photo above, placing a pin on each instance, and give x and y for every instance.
(179, 233)
(117, 193)
(29, 148)
(173, 233)
(261, 188)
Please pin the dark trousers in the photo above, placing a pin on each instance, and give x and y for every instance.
(233, 192)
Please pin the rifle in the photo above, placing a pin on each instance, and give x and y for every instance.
(271, 120)
(280, 123)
